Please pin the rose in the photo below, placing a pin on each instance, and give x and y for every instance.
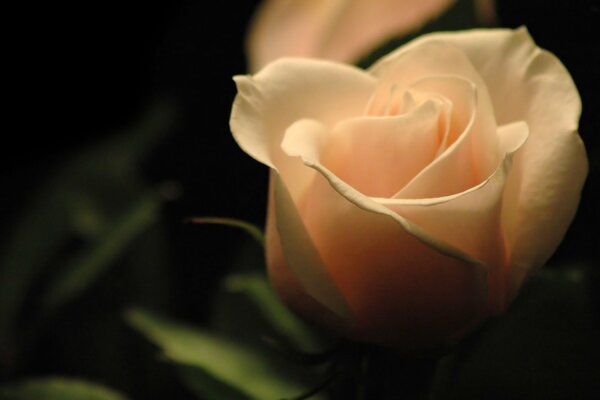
(410, 201)
(341, 30)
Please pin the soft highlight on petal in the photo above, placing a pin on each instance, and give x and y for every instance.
(291, 89)
(471, 221)
(310, 156)
(302, 257)
(404, 293)
(393, 149)
(443, 69)
(468, 156)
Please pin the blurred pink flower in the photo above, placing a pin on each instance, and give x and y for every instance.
(340, 30)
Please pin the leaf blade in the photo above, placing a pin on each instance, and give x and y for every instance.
(239, 367)
(59, 388)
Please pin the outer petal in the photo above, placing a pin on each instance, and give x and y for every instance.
(530, 84)
(426, 297)
(288, 235)
(287, 283)
(471, 220)
(291, 89)
(273, 101)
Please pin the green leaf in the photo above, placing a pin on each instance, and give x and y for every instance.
(256, 288)
(58, 388)
(224, 366)
(206, 386)
(76, 206)
(545, 347)
(254, 231)
(99, 255)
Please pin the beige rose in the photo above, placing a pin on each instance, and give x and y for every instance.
(410, 201)
(340, 30)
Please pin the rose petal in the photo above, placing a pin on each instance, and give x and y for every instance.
(530, 84)
(301, 256)
(266, 106)
(424, 59)
(288, 90)
(309, 144)
(287, 284)
(473, 149)
(470, 155)
(471, 221)
(378, 156)
(330, 204)
(339, 219)
(426, 297)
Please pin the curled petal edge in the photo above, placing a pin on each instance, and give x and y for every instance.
(368, 204)
(301, 256)
(378, 206)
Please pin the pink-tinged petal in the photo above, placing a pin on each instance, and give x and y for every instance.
(362, 25)
(295, 267)
(379, 155)
(540, 204)
(309, 145)
(471, 151)
(291, 89)
(443, 69)
(530, 84)
(301, 256)
(471, 221)
(424, 59)
(432, 292)
(287, 284)
(403, 293)
(282, 28)
(340, 30)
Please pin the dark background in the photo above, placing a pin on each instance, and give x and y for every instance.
(79, 74)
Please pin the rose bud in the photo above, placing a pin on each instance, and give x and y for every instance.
(410, 201)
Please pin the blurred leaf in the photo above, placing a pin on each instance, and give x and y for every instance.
(75, 206)
(462, 15)
(95, 258)
(205, 386)
(547, 346)
(224, 366)
(256, 288)
(58, 388)
(254, 231)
